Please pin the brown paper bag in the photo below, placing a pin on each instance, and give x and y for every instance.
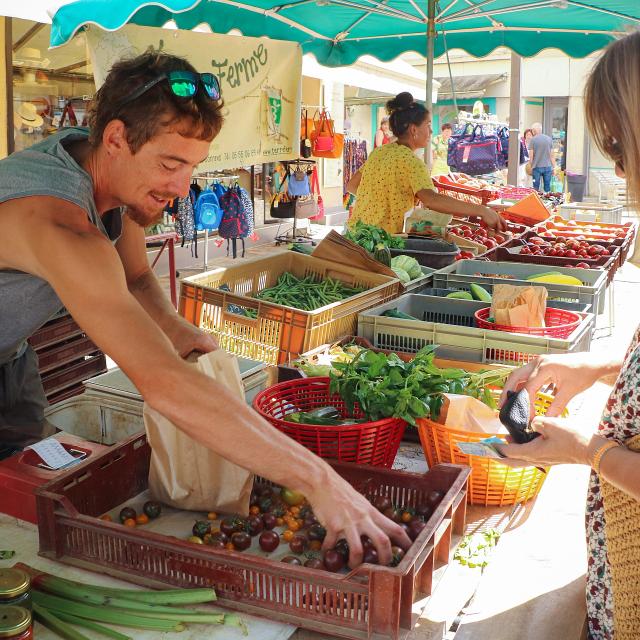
(519, 306)
(469, 414)
(337, 248)
(184, 473)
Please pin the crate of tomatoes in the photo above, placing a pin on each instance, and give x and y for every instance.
(582, 254)
(475, 239)
(563, 230)
(267, 562)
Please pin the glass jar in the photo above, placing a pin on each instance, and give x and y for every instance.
(15, 586)
(15, 623)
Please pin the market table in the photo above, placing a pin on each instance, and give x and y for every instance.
(22, 537)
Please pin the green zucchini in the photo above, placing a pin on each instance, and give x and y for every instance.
(395, 313)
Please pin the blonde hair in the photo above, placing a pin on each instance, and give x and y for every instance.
(612, 107)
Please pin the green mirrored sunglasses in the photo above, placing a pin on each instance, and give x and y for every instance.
(183, 84)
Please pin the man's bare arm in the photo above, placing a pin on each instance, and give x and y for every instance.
(86, 272)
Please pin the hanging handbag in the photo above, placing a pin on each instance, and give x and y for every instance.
(315, 190)
(476, 154)
(299, 184)
(282, 205)
(322, 137)
(305, 207)
(305, 140)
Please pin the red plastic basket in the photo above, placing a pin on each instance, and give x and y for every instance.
(560, 323)
(516, 193)
(374, 443)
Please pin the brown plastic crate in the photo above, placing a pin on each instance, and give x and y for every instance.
(55, 331)
(279, 332)
(369, 602)
(65, 353)
(61, 379)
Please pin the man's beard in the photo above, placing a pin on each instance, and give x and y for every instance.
(144, 218)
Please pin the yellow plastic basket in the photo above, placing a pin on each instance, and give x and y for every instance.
(491, 483)
(278, 333)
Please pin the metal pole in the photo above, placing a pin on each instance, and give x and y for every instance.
(431, 40)
(514, 119)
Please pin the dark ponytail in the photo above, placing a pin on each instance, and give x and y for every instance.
(403, 110)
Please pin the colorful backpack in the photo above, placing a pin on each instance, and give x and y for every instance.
(208, 212)
(237, 220)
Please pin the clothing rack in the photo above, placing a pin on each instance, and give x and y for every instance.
(212, 177)
(293, 236)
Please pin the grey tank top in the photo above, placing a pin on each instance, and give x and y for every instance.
(45, 169)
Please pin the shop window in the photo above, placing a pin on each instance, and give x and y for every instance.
(51, 88)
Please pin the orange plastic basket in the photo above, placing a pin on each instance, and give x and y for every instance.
(491, 483)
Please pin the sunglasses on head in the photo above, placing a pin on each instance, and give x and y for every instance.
(183, 84)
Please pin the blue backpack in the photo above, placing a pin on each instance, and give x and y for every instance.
(208, 211)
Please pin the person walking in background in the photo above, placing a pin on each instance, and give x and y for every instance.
(524, 175)
(541, 158)
(440, 148)
(383, 134)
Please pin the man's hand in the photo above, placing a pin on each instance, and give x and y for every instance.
(186, 338)
(558, 443)
(347, 514)
(492, 219)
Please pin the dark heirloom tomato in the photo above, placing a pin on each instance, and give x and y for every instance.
(269, 541)
(382, 503)
(370, 555)
(201, 528)
(152, 509)
(231, 524)
(298, 544)
(415, 527)
(241, 540)
(269, 520)
(314, 563)
(127, 514)
(333, 560)
(254, 525)
(317, 532)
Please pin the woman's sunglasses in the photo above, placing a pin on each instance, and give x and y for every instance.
(183, 84)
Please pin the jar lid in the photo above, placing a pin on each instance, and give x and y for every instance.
(13, 583)
(13, 621)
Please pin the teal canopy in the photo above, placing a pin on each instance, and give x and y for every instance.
(338, 32)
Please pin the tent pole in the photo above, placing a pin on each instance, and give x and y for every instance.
(514, 118)
(431, 38)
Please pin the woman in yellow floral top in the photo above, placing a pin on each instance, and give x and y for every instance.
(393, 176)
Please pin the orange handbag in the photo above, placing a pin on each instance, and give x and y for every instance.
(326, 143)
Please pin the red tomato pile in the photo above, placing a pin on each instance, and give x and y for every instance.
(567, 248)
(479, 235)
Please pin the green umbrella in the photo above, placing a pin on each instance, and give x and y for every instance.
(338, 32)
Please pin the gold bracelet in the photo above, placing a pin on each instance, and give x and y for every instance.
(599, 453)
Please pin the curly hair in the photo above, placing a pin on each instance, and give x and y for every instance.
(198, 117)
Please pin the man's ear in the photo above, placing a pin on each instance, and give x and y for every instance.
(114, 138)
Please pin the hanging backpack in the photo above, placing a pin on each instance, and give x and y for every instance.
(219, 189)
(235, 218)
(185, 222)
(208, 212)
(245, 199)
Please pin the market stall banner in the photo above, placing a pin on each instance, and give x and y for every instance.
(260, 81)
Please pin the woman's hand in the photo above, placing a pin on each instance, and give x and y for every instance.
(492, 219)
(558, 443)
(570, 374)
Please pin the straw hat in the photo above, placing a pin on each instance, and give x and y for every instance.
(27, 115)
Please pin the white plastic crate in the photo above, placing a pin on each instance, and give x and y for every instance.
(450, 324)
(592, 212)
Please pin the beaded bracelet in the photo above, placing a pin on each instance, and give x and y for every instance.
(599, 453)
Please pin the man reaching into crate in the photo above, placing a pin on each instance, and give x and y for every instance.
(73, 210)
